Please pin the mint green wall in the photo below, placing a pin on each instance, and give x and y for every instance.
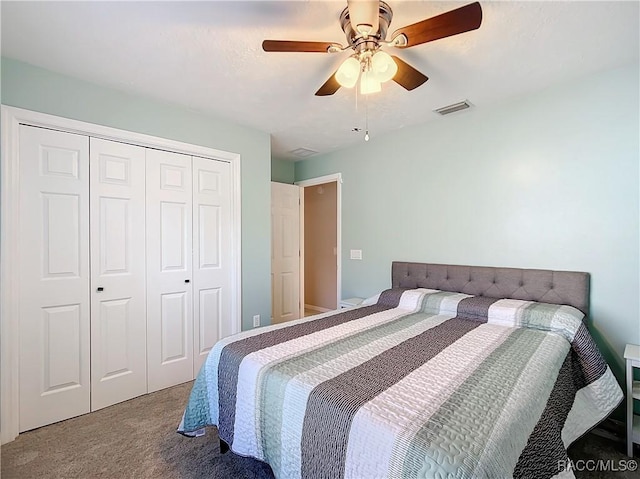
(282, 171)
(32, 88)
(549, 181)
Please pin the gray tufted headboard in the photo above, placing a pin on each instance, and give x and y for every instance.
(556, 287)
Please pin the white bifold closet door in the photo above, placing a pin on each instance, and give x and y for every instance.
(169, 270)
(211, 256)
(54, 277)
(118, 298)
(125, 278)
(188, 263)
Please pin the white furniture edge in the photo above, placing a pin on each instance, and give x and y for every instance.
(351, 302)
(632, 358)
(11, 118)
(337, 177)
(632, 352)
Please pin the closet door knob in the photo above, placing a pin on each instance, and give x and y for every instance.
(100, 289)
(187, 280)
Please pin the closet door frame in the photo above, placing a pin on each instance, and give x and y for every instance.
(11, 118)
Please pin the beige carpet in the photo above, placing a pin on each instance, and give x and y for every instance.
(134, 439)
(137, 439)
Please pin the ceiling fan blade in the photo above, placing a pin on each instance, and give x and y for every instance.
(456, 21)
(330, 87)
(294, 46)
(407, 76)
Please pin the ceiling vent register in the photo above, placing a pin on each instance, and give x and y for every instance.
(303, 152)
(445, 110)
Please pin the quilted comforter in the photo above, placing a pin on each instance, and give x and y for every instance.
(422, 384)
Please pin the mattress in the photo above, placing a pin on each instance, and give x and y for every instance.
(421, 384)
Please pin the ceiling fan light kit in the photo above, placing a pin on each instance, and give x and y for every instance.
(383, 66)
(373, 68)
(365, 24)
(347, 74)
(369, 83)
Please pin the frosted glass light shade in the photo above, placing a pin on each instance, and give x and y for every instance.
(383, 66)
(369, 83)
(347, 74)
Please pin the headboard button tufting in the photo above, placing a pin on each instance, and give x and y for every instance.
(540, 285)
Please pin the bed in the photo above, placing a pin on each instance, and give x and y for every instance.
(455, 371)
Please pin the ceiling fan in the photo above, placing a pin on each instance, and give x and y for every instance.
(365, 23)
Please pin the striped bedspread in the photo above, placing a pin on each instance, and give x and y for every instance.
(423, 384)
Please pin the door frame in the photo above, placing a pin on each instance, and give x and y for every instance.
(320, 180)
(11, 119)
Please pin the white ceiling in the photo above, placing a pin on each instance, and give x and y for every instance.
(207, 56)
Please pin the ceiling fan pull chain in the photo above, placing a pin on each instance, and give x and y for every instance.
(357, 89)
(366, 119)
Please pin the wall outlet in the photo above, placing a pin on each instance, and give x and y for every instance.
(256, 320)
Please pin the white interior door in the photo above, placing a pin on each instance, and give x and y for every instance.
(212, 268)
(285, 252)
(54, 276)
(118, 300)
(169, 269)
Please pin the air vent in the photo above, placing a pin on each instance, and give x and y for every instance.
(445, 110)
(303, 152)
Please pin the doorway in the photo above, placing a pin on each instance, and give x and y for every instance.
(320, 248)
(320, 243)
(305, 247)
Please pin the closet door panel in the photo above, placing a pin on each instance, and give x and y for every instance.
(211, 255)
(54, 353)
(169, 269)
(118, 293)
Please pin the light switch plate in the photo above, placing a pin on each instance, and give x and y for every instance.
(356, 254)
